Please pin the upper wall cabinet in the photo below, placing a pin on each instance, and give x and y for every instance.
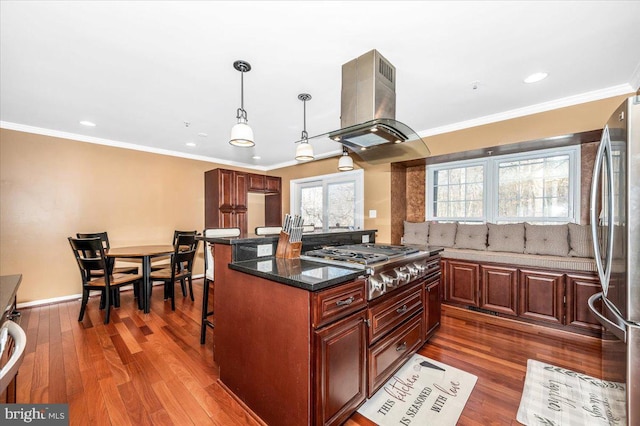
(225, 198)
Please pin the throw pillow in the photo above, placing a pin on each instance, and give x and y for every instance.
(580, 241)
(471, 237)
(442, 234)
(415, 232)
(552, 240)
(506, 237)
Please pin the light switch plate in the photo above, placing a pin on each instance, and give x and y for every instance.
(265, 250)
(373, 214)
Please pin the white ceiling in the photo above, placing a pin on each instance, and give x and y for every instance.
(140, 70)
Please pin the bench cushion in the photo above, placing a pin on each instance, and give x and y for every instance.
(471, 237)
(581, 264)
(506, 237)
(546, 239)
(415, 232)
(580, 240)
(442, 234)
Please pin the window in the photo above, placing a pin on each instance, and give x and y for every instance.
(538, 186)
(330, 202)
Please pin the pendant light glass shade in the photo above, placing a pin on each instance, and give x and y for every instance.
(345, 163)
(304, 151)
(241, 133)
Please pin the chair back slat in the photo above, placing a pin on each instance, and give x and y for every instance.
(184, 251)
(90, 256)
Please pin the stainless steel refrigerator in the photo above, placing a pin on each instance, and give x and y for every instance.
(615, 226)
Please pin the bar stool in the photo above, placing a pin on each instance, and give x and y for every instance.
(209, 275)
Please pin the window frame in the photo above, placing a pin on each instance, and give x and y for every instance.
(490, 187)
(354, 176)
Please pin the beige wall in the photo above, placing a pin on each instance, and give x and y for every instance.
(52, 188)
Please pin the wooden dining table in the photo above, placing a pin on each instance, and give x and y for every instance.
(145, 253)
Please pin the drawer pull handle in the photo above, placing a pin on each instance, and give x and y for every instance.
(402, 310)
(345, 302)
(401, 347)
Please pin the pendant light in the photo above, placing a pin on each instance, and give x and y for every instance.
(304, 151)
(241, 133)
(345, 163)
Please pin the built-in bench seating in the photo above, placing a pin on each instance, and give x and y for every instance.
(539, 273)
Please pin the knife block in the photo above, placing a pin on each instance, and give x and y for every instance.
(287, 249)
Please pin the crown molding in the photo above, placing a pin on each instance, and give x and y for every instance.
(595, 95)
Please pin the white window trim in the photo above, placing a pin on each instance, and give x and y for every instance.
(356, 176)
(490, 205)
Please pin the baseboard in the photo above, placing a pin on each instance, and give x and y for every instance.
(53, 300)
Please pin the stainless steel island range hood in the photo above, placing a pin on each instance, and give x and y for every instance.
(368, 110)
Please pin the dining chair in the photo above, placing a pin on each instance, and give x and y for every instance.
(208, 274)
(181, 267)
(161, 262)
(90, 256)
(104, 237)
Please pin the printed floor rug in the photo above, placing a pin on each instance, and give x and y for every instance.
(422, 392)
(554, 396)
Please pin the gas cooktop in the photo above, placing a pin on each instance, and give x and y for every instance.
(364, 254)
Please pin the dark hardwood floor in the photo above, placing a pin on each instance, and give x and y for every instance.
(151, 369)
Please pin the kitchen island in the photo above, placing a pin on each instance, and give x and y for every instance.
(292, 335)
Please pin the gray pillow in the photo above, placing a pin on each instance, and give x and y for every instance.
(415, 232)
(552, 240)
(580, 241)
(471, 237)
(506, 237)
(442, 234)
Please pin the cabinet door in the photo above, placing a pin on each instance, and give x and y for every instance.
(432, 311)
(272, 183)
(579, 289)
(340, 369)
(463, 280)
(226, 190)
(499, 289)
(240, 191)
(255, 182)
(542, 296)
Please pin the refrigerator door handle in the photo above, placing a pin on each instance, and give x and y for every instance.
(618, 330)
(604, 154)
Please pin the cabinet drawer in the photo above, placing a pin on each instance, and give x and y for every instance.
(388, 354)
(387, 315)
(334, 303)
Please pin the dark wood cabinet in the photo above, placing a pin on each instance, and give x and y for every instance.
(499, 289)
(225, 198)
(432, 308)
(463, 282)
(273, 184)
(542, 296)
(255, 182)
(340, 369)
(580, 287)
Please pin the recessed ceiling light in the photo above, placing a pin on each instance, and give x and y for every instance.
(203, 135)
(190, 144)
(88, 123)
(256, 157)
(536, 77)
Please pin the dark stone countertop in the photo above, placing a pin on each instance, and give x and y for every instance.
(261, 239)
(304, 274)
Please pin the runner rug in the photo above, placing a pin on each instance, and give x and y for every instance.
(422, 392)
(554, 396)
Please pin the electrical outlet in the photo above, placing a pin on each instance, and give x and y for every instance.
(365, 238)
(265, 250)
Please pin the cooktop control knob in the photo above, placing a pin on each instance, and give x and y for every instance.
(413, 270)
(403, 275)
(388, 280)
